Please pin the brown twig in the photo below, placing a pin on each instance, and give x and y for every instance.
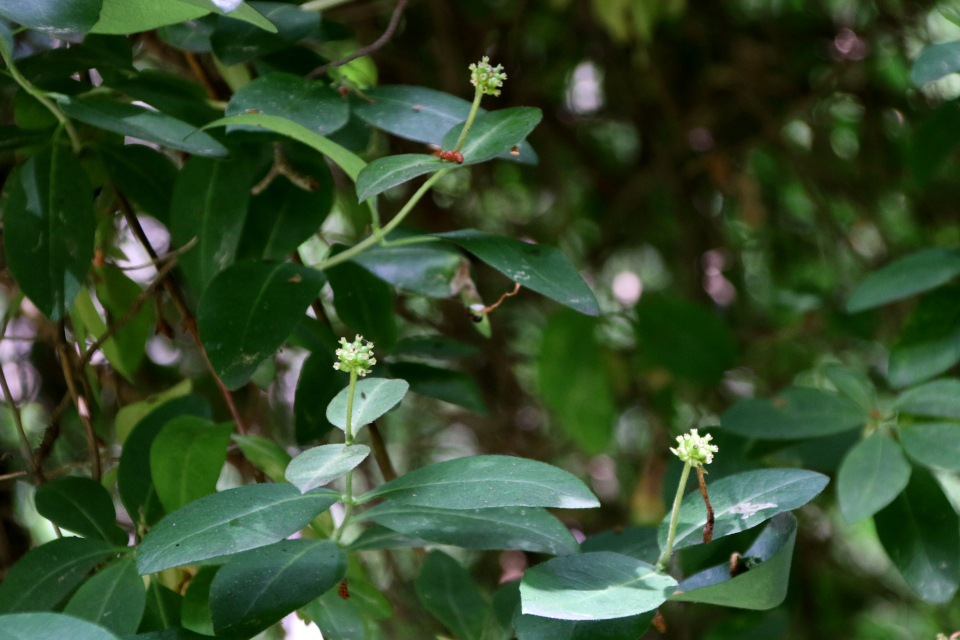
(201, 75)
(370, 48)
(659, 622)
(379, 447)
(708, 528)
(81, 404)
(516, 290)
(282, 167)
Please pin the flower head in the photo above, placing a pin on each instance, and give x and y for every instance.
(695, 449)
(486, 78)
(355, 356)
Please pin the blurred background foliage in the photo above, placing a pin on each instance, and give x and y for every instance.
(723, 174)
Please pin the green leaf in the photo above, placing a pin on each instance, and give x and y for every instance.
(763, 586)
(210, 202)
(447, 591)
(243, 12)
(248, 311)
(257, 588)
(186, 459)
(921, 533)
(338, 619)
(346, 160)
(542, 269)
(436, 347)
(933, 444)
(229, 522)
(134, 479)
(537, 628)
(363, 302)
(310, 103)
(524, 528)
(80, 505)
(427, 268)
(935, 61)
(795, 413)
(494, 133)
(742, 501)
(636, 542)
(138, 122)
(852, 384)
(929, 343)
(13, 138)
(42, 578)
(48, 228)
(388, 172)
(235, 41)
(114, 598)
(938, 399)
(318, 385)
(143, 175)
(688, 340)
(163, 610)
(573, 380)
(372, 398)
(50, 626)
(60, 18)
(195, 611)
(593, 586)
(378, 537)
(135, 16)
(129, 415)
(870, 477)
(443, 384)
(316, 467)
(908, 276)
(265, 455)
(480, 482)
(176, 633)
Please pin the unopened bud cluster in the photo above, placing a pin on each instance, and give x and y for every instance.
(695, 449)
(355, 356)
(486, 78)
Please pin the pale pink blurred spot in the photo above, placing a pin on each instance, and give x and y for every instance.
(297, 629)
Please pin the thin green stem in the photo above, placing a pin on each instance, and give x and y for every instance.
(41, 97)
(473, 114)
(674, 515)
(350, 392)
(348, 492)
(413, 240)
(390, 226)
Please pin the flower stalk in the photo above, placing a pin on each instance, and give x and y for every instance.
(487, 79)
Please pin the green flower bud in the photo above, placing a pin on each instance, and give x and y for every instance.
(695, 449)
(355, 356)
(486, 78)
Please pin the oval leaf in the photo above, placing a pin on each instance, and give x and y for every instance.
(50, 626)
(143, 175)
(319, 383)
(248, 311)
(935, 61)
(310, 103)
(593, 586)
(636, 542)
(363, 302)
(493, 133)
(60, 18)
(871, 476)
(427, 269)
(372, 398)
(447, 591)
(480, 482)
(388, 172)
(537, 628)
(933, 444)
(796, 412)
(264, 454)
(742, 501)
(80, 505)
(524, 528)
(229, 522)
(929, 343)
(316, 467)
(939, 399)
(257, 588)
(908, 276)
(377, 537)
(186, 459)
(114, 598)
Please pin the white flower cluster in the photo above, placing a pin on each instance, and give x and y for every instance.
(487, 78)
(695, 449)
(355, 356)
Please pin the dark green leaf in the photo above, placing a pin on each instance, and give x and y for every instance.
(235, 41)
(436, 347)
(143, 175)
(935, 61)
(762, 586)
(114, 598)
(524, 528)
(193, 36)
(42, 578)
(388, 172)
(479, 482)
(933, 444)
(338, 619)
(443, 384)
(138, 122)
(542, 269)
(427, 268)
(494, 133)
(163, 610)
(921, 533)
(377, 537)
(311, 103)
(264, 454)
(537, 628)
(13, 138)
(249, 310)
(939, 399)
(195, 611)
(257, 588)
(796, 412)
(177, 633)
(373, 397)
(871, 476)
(244, 11)
(48, 228)
(134, 480)
(61, 18)
(908, 276)
(319, 383)
(593, 586)
(316, 467)
(364, 302)
(173, 95)
(742, 501)
(852, 384)
(229, 522)
(186, 459)
(930, 341)
(135, 16)
(446, 590)
(80, 505)
(636, 542)
(209, 203)
(50, 626)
